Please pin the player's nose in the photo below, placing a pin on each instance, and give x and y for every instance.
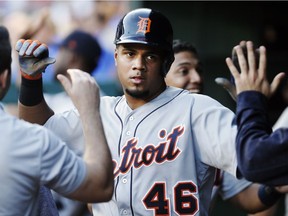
(195, 76)
(139, 63)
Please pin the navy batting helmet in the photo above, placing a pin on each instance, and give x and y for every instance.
(146, 26)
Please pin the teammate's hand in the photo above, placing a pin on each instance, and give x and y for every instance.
(252, 76)
(228, 85)
(282, 189)
(82, 89)
(33, 57)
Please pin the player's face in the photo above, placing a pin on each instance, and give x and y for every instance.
(64, 61)
(185, 73)
(139, 71)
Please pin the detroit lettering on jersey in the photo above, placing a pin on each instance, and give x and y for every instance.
(133, 156)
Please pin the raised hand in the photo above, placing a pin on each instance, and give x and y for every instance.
(229, 84)
(82, 89)
(33, 57)
(252, 76)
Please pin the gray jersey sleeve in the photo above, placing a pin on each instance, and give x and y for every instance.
(61, 169)
(215, 133)
(68, 127)
(232, 186)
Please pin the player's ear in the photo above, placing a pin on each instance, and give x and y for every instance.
(4, 79)
(115, 56)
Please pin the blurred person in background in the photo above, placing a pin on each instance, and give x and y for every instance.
(186, 72)
(78, 50)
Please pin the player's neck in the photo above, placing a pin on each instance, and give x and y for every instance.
(135, 102)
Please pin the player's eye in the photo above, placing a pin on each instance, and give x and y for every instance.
(199, 68)
(129, 53)
(183, 71)
(152, 57)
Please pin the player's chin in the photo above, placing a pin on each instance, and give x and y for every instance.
(195, 91)
(137, 93)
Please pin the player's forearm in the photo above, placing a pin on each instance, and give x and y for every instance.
(248, 200)
(39, 113)
(97, 156)
(256, 198)
(31, 104)
(261, 154)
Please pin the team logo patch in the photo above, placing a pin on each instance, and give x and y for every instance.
(144, 25)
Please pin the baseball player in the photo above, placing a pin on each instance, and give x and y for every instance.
(32, 156)
(165, 142)
(187, 72)
(257, 148)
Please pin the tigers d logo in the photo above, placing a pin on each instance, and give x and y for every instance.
(144, 25)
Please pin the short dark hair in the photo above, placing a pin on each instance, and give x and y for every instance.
(182, 46)
(5, 50)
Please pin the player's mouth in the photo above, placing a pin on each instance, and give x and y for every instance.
(194, 89)
(137, 79)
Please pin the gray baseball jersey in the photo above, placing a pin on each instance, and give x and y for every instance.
(231, 186)
(31, 156)
(228, 186)
(282, 122)
(164, 152)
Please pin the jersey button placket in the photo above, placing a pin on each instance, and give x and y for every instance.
(124, 180)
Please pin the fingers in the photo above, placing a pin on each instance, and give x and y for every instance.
(282, 189)
(262, 62)
(78, 82)
(40, 50)
(19, 44)
(276, 82)
(44, 62)
(241, 44)
(233, 70)
(226, 84)
(22, 46)
(30, 47)
(65, 82)
(251, 56)
(242, 60)
(68, 80)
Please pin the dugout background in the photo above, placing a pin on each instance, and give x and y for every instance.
(215, 27)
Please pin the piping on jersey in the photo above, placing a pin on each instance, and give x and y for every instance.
(119, 144)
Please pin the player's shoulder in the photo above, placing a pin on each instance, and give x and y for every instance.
(197, 101)
(109, 101)
(182, 93)
(16, 128)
